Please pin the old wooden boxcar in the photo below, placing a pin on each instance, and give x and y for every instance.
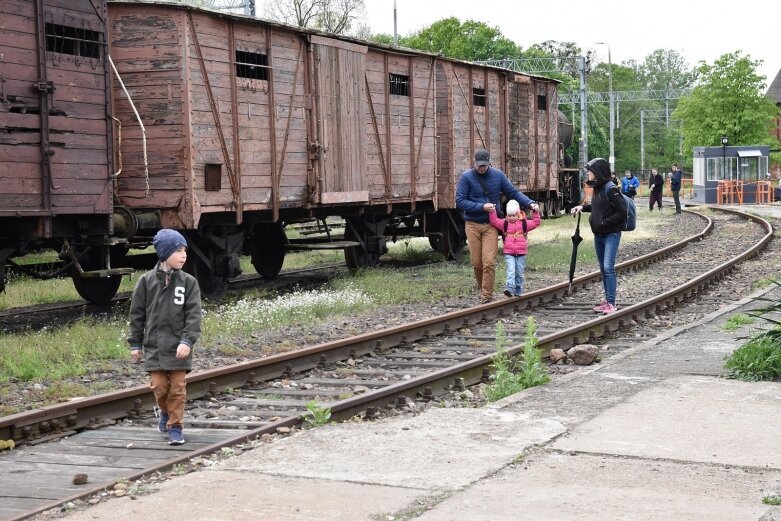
(250, 124)
(55, 137)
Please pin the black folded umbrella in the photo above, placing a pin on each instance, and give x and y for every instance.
(576, 239)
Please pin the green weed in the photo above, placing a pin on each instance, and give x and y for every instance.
(510, 376)
(735, 321)
(758, 359)
(772, 500)
(319, 415)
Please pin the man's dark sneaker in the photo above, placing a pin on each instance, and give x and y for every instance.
(162, 425)
(175, 436)
(508, 293)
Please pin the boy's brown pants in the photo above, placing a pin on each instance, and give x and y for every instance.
(171, 394)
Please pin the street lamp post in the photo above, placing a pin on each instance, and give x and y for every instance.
(612, 159)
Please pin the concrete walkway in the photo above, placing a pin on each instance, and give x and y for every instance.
(654, 432)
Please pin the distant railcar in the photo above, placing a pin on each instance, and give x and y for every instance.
(228, 126)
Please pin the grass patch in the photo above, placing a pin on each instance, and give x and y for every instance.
(510, 376)
(248, 315)
(758, 359)
(66, 352)
(771, 500)
(735, 321)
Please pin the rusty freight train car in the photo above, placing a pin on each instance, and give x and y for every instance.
(56, 157)
(253, 123)
(227, 127)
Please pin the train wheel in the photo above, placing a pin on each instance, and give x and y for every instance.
(267, 248)
(452, 240)
(370, 233)
(98, 290)
(212, 286)
(213, 257)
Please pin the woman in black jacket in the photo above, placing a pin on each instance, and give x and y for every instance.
(608, 214)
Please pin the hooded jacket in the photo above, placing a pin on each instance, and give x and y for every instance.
(470, 195)
(608, 208)
(514, 243)
(164, 315)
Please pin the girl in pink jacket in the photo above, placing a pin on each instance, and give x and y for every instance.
(514, 227)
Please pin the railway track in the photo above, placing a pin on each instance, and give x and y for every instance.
(110, 437)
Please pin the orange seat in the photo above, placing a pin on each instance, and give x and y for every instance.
(737, 187)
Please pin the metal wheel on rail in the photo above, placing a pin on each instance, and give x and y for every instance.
(213, 257)
(96, 289)
(451, 239)
(369, 232)
(266, 246)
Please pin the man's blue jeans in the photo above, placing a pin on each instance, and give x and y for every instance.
(515, 264)
(606, 245)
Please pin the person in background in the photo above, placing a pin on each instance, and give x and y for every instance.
(656, 184)
(629, 185)
(608, 214)
(165, 323)
(515, 246)
(675, 185)
(477, 194)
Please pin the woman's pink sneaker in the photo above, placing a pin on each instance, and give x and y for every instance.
(599, 308)
(609, 308)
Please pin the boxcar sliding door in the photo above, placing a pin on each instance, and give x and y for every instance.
(340, 103)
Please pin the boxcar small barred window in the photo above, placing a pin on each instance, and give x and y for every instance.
(73, 40)
(399, 84)
(542, 102)
(251, 65)
(478, 97)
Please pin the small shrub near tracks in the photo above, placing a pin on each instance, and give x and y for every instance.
(514, 376)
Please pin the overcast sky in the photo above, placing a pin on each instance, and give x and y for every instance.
(697, 30)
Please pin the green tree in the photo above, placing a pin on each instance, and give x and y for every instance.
(727, 101)
(469, 40)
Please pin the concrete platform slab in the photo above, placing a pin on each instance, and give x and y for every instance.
(586, 487)
(231, 495)
(689, 418)
(440, 450)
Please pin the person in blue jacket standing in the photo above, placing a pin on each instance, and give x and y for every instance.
(629, 185)
(478, 193)
(675, 186)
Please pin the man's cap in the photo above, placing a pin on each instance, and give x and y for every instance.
(166, 242)
(482, 157)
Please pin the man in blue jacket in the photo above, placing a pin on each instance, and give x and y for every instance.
(478, 193)
(675, 186)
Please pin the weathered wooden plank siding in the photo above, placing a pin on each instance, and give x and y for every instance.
(154, 78)
(80, 163)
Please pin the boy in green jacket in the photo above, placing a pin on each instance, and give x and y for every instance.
(165, 323)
